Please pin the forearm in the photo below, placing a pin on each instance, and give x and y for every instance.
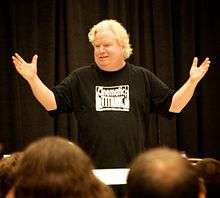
(44, 95)
(182, 96)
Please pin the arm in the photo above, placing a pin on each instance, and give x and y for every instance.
(29, 72)
(185, 93)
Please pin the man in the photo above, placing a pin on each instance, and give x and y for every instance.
(163, 173)
(111, 99)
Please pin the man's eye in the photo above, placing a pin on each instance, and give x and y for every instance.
(96, 45)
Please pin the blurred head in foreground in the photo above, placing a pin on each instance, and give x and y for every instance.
(162, 173)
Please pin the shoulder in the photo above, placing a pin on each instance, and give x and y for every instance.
(84, 69)
(140, 70)
(143, 73)
(81, 71)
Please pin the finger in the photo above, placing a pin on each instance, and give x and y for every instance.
(17, 65)
(18, 68)
(206, 63)
(16, 61)
(195, 62)
(34, 59)
(19, 58)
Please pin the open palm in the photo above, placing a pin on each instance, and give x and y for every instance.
(27, 70)
(197, 73)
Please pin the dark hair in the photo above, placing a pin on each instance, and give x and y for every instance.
(54, 167)
(162, 173)
(209, 170)
(7, 167)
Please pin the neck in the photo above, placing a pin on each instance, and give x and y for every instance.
(112, 68)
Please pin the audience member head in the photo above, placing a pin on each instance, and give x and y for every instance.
(162, 173)
(7, 167)
(209, 170)
(54, 167)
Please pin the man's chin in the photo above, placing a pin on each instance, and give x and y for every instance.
(105, 67)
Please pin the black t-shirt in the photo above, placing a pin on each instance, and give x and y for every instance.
(112, 110)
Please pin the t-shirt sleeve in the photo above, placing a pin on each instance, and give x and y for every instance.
(63, 93)
(160, 95)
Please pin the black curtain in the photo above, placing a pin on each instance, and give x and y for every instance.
(165, 35)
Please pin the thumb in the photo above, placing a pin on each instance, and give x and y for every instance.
(34, 59)
(195, 62)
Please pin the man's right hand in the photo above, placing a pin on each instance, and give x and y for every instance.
(27, 70)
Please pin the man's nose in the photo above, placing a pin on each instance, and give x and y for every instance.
(102, 48)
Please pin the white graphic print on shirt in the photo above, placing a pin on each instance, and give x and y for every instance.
(115, 98)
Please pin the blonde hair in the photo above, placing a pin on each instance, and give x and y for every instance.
(120, 32)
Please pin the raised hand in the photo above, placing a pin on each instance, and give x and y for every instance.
(197, 73)
(27, 70)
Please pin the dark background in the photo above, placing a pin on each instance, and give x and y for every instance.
(165, 35)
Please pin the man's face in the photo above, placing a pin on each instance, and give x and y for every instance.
(108, 53)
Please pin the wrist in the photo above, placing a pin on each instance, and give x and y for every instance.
(33, 79)
(192, 81)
